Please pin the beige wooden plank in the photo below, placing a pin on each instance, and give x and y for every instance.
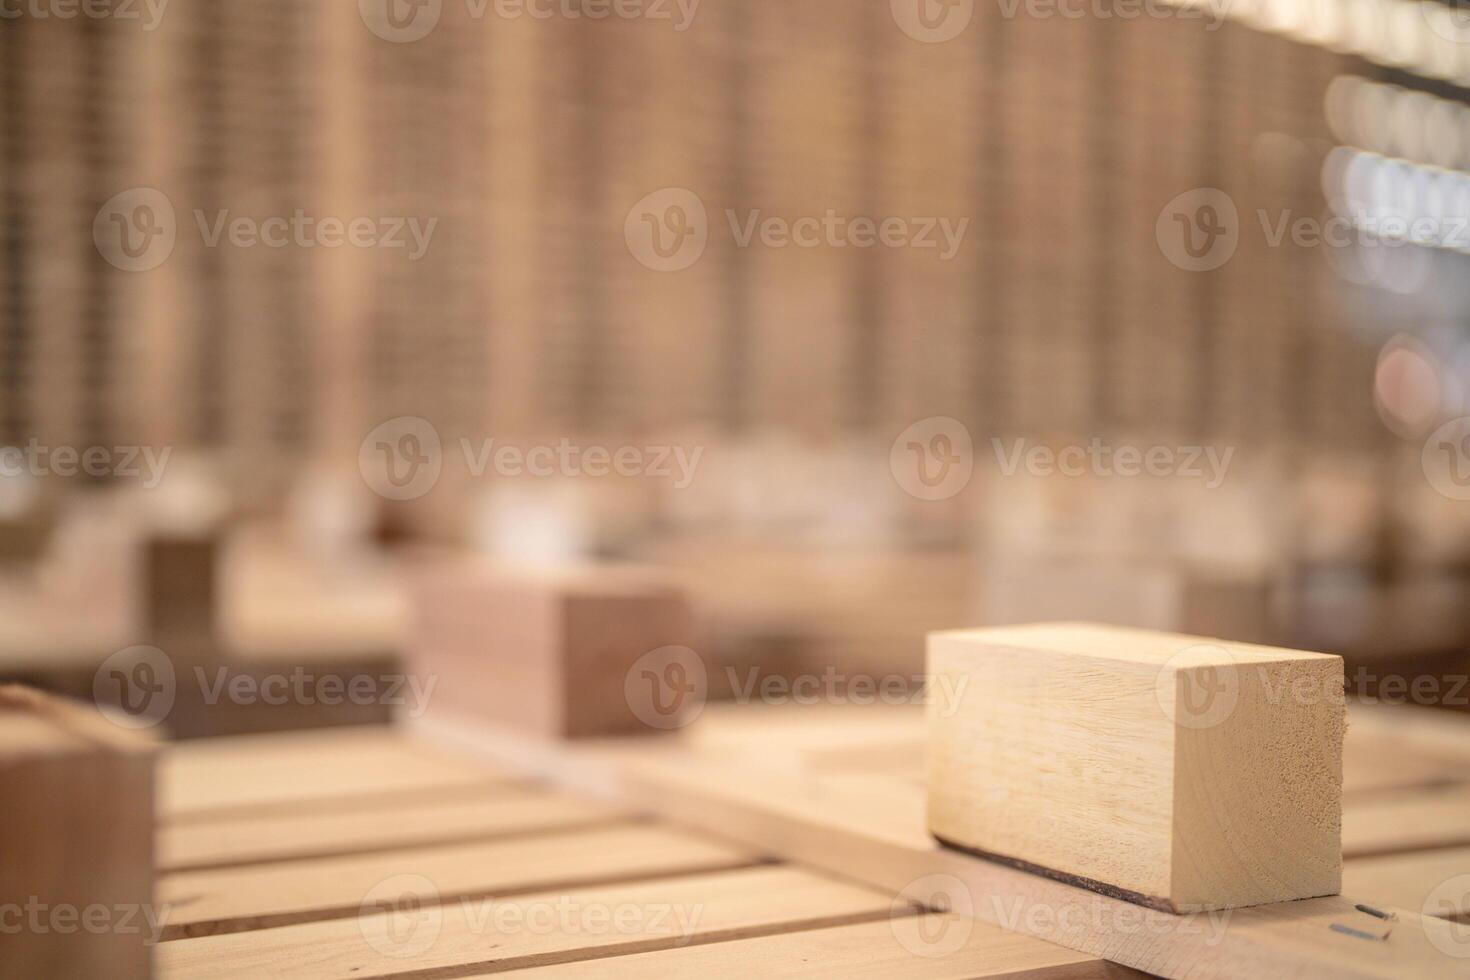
(284, 771)
(237, 899)
(1410, 881)
(960, 948)
(1406, 820)
(476, 814)
(1392, 747)
(457, 938)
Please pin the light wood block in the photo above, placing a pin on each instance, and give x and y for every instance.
(1178, 772)
(76, 842)
(549, 652)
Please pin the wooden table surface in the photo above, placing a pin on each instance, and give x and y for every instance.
(378, 852)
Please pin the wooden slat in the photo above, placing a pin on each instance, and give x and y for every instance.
(460, 938)
(1407, 880)
(864, 951)
(236, 899)
(478, 814)
(262, 773)
(1407, 820)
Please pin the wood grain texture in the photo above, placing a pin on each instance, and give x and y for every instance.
(1179, 772)
(75, 841)
(428, 818)
(235, 777)
(960, 949)
(460, 939)
(238, 899)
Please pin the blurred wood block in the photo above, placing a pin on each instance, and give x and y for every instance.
(1163, 595)
(180, 597)
(548, 652)
(76, 834)
(1226, 758)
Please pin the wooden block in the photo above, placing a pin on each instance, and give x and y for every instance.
(546, 651)
(76, 842)
(1178, 772)
(180, 595)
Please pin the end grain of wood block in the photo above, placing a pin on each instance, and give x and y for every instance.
(76, 842)
(546, 651)
(1179, 772)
